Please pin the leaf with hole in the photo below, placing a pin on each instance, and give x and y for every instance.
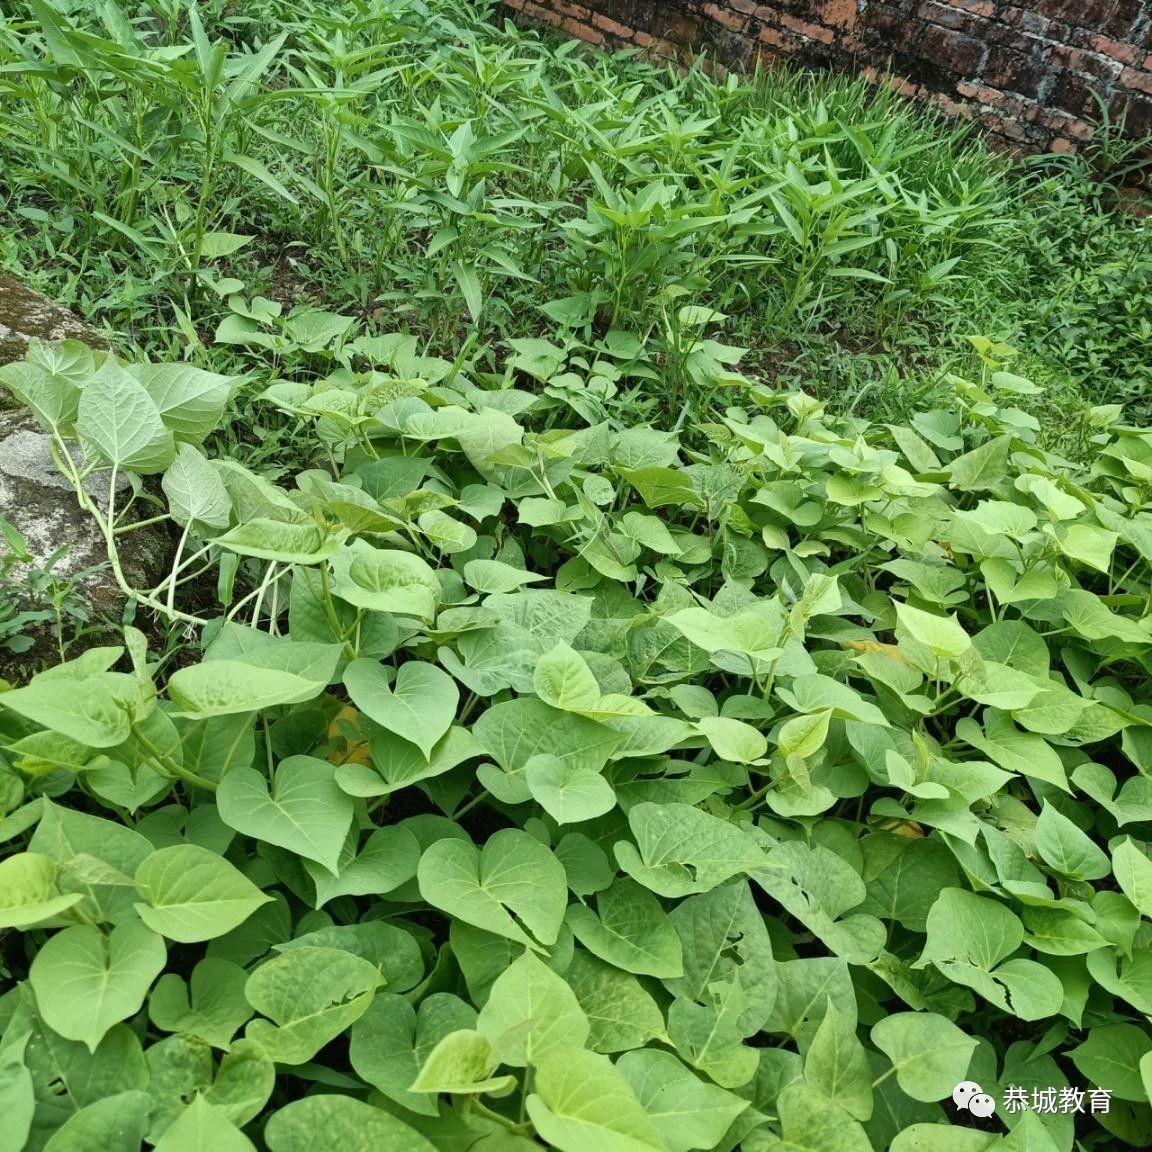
(310, 996)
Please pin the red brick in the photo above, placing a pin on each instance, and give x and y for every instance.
(1000, 54)
(681, 27)
(612, 27)
(1085, 63)
(1131, 78)
(544, 15)
(1113, 49)
(1025, 19)
(1062, 122)
(1013, 72)
(1123, 19)
(942, 13)
(582, 31)
(839, 13)
(1135, 112)
(893, 32)
(1021, 39)
(1088, 13)
(1073, 94)
(955, 53)
(984, 8)
(725, 17)
(808, 31)
(1010, 129)
(765, 59)
(901, 85)
(949, 106)
(992, 97)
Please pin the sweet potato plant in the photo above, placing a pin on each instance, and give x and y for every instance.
(541, 781)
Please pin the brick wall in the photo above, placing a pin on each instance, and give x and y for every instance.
(1026, 69)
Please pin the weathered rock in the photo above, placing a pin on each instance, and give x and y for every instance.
(25, 314)
(39, 502)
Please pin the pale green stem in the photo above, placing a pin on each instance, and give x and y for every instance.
(67, 467)
(179, 553)
(169, 765)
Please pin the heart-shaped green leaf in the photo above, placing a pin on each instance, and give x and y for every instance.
(311, 995)
(419, 707)
(567, 791)
(629, 929)
(304, 810)
(582, 1102)
(331, 1121)
(929, 1054)
(392, 1040)
(192, 894)
(530, 1013)
(210, 1005)
(86, 981)
(514, 875)
(225, 687)
(118, 417)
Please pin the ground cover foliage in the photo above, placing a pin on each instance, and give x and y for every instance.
(568, 735)
(545, 781)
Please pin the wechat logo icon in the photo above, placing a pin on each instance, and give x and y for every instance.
(968, 1096)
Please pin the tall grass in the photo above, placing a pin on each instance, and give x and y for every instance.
(428, 163)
